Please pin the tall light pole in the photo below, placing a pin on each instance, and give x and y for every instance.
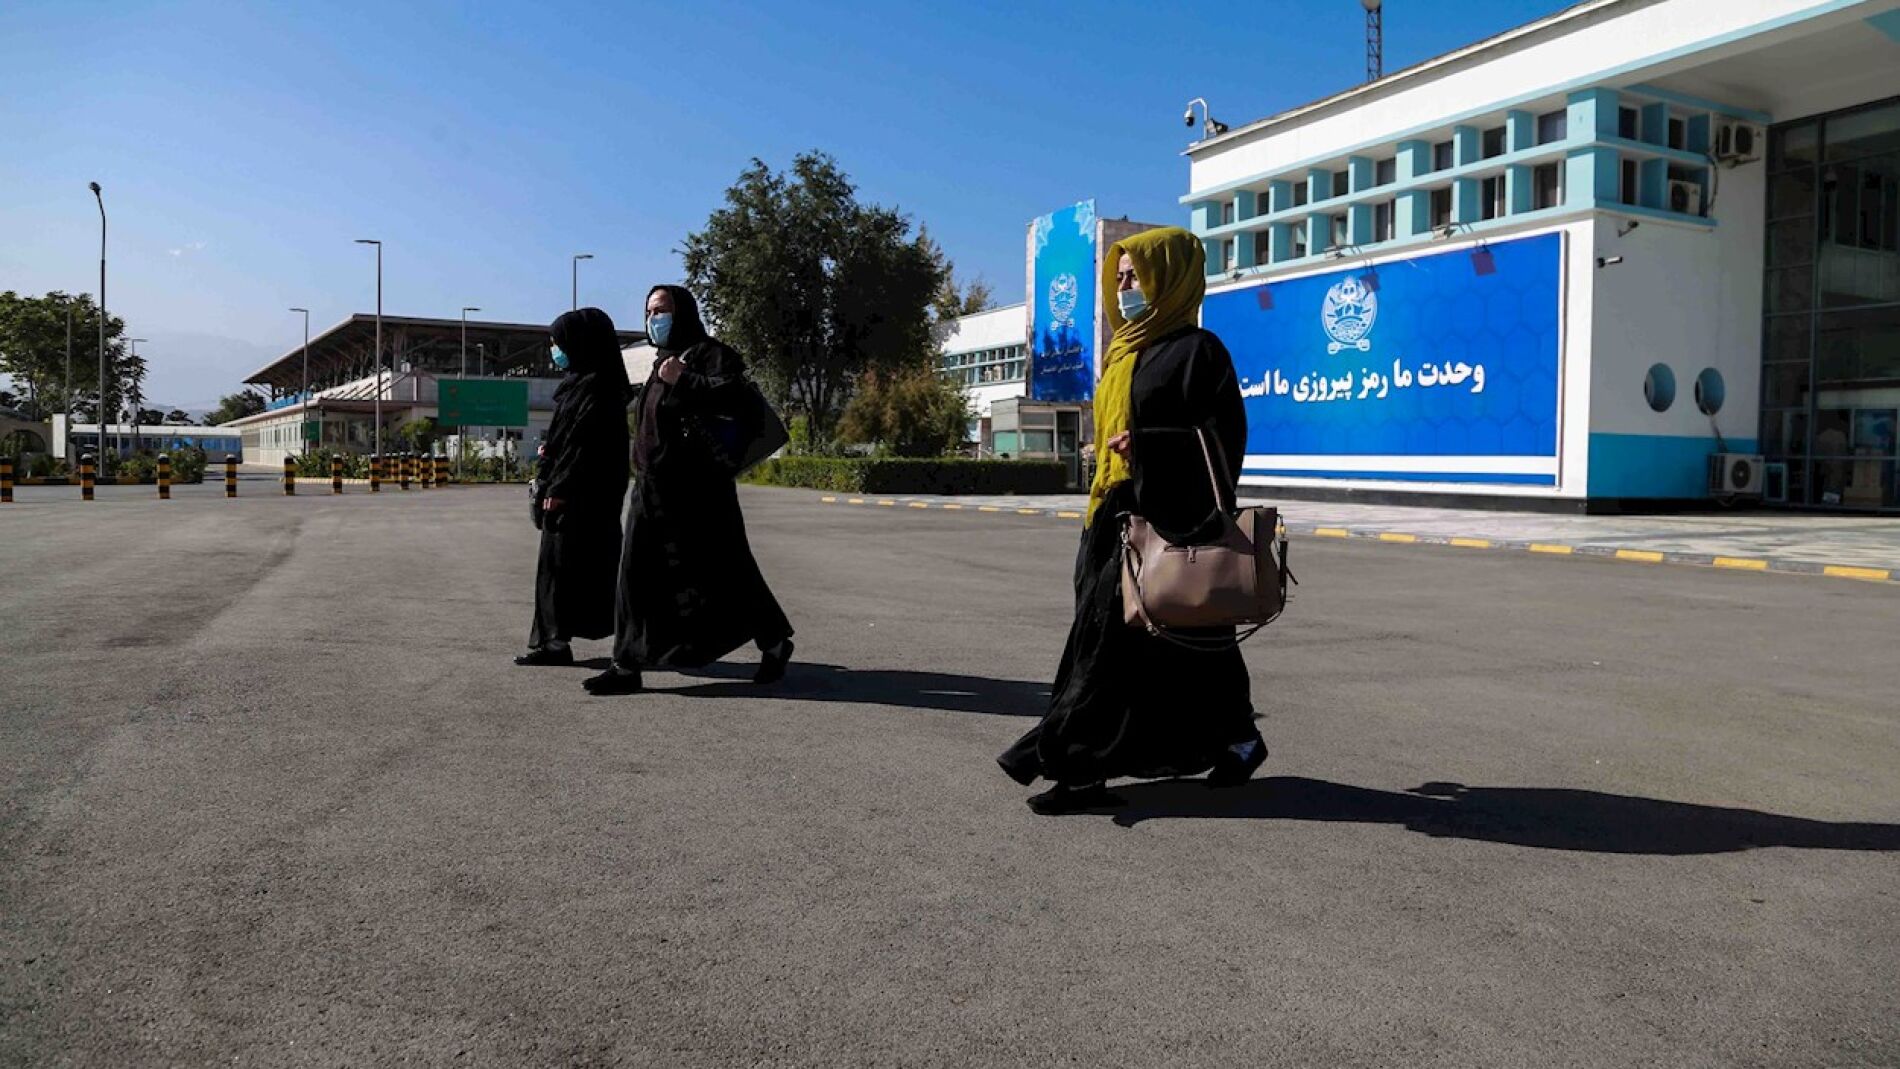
(306, 374)
(378, 448)
(100, 197)
(578, 257)
(66, 403)
(1375, 39)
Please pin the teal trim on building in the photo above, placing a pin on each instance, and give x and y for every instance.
(1465, 205)
(1466, 146)
(1654, 127)
(1411, 214)
(1653, 184)
(1359, 173)
(1654, 465)
(1887, 22)
(1520, 131)
(1279, 197)
(1518, 190)
(1590, 177)
(1695, 103)
(1415, 160)
(1700, 138)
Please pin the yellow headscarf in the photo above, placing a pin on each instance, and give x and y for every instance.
(1171, 269)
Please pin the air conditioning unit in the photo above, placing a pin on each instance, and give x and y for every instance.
(1735, 475)
(1685, 198)
(1737, 142)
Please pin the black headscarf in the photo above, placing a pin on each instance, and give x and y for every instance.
(592, 346)
(688, 330)
(593, 393)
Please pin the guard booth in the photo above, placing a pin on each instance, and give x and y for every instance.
(1022, 429)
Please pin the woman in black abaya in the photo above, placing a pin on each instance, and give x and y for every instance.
(1127, 703)
(581, 480)
(690, 590)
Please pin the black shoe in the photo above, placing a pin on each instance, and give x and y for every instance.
(772, 667)
(615, 681)
(1232, 770)
(1062, 799)
(546, 658)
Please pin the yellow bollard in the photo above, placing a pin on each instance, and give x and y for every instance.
(290, 477)
(6, 480)
(375, 473)
(336, 473)
(442, 470)
(424, 473)
(405, 468)
(86, 474)
(230, 475)
(164, 476)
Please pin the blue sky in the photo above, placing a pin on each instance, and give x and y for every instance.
(243, 146)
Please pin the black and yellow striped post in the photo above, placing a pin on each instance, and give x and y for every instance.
(87, 473)
(405, 467)
(425, 473)
(6, 480)
(164, 476)
(375, 473)
(442, 470)
(290, 477)
(230, 475)
(336, 473)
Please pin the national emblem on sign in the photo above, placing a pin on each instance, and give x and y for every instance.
(1063, 293)
(1347, 314)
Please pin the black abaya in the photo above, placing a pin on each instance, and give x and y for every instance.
(690, 590)
(584, 466)
(1127, 703)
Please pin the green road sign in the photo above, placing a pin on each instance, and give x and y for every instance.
(313, 430)
(482, 402)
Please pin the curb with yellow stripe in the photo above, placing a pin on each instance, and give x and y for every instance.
(1776, 565)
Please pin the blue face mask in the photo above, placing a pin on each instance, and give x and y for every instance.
(1134, 304)
(560, 358)
(660, 328)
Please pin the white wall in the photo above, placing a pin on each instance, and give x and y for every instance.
(988, 329)
(1619, 42)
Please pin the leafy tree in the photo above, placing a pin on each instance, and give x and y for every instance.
(33, 351)
(178, 417)
(912, 412)
(235, 406)
(814, 286)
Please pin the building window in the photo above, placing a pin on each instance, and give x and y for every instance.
(1491, 197)
(1342, 183)
(1441, 207)
(1493, 142)
(1299, 241)
(1385, 172)
(1443, 156)
(1341, 235)
(1227, 212)
(1628, 124)
(1678, 133)
(1228, 254)
(1627, 188)
(1547, 186)
(1553, 126)
(1299, 194)
(1382, 216)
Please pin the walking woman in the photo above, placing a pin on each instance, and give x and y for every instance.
(690, 590)
(581, 482)
(1127, 703)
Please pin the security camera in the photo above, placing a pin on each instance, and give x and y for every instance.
(1187, 117)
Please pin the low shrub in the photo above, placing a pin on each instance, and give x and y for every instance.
(904, 475)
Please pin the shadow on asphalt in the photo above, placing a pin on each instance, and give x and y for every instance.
(1543, 817)
(809, 682)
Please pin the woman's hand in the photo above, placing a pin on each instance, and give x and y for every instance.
(1121, 444)
(670, 370)
(551, 504)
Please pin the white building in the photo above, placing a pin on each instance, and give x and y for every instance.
(987, 353)
(1574, 262)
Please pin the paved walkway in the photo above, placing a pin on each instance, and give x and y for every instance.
(1847, 547)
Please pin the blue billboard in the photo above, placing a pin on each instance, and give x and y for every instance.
(1062, 305)
(1439, 368)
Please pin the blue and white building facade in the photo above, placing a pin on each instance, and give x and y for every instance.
(1574, 263)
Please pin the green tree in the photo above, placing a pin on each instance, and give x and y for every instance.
(33, 333)
(178, 417)
(814, 286)
(911, 412)
(235, 406)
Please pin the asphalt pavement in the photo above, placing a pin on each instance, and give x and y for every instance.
(272, 793)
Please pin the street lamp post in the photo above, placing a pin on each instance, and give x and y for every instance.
(459, 450)
(99, 196)
(379, 340)
(306, 375)
(66, 403)
(118, 438)
(577, 275)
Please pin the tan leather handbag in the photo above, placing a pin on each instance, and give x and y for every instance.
(1239, 579)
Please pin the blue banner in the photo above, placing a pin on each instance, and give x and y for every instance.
(1062, 313)
(1440, 368)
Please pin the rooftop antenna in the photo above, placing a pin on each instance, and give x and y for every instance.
(1375, 39)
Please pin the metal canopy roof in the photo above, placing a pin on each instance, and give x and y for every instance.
(346, 351)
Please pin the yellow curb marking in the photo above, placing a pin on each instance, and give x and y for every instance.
(1647, 556)
(829, 500)
(1472, 543)
(1842, 571)
(1743, 563)
(1546, 547)
(953, 508)
(1068, 515)
(1332, 532)
(919, 505)
(988, 508)
(1393, 536)
(1028, 512)
(856, 501)
(888, 504)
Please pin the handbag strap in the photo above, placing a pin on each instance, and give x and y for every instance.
(1204, 645)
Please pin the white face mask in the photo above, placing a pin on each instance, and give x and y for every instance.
(1134, 303)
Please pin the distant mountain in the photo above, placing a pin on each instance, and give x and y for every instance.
(191, 370)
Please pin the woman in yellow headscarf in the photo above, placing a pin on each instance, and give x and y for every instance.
(1127, 703)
